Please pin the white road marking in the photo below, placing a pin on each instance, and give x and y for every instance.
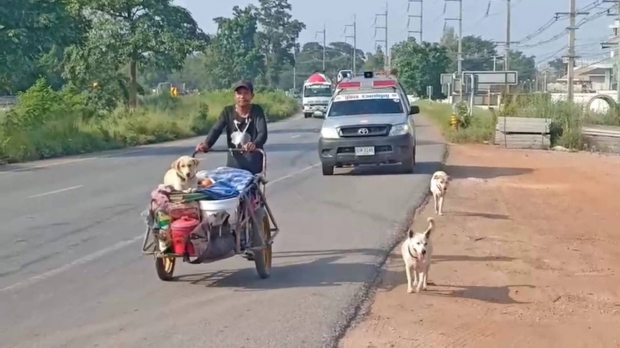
(293, 174)
(295, 136)
(73, 264)
(69, 161)
(103, 252)
(57, 191)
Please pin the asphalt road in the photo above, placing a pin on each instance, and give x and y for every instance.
(71, 272)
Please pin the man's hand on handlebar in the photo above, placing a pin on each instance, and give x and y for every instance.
(249, 147)
(202, 147)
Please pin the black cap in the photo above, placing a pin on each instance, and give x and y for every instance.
(245, 84)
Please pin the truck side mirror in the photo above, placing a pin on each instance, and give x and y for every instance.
(414, 110)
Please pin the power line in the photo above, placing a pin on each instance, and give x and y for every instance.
(420, 16)
(565, 31)
(459, 56)
(554, 20)
(385, 41)
(354, 37)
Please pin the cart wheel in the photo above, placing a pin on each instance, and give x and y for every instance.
(165, 267)
(262, 258)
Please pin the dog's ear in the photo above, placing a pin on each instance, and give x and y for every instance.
(176, 164)
(410, 233)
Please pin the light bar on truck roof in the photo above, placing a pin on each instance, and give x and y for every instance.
(384, 83)
(349, 85)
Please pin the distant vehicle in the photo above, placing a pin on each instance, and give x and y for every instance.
(369, 121)
(344, 74)
(316, 94)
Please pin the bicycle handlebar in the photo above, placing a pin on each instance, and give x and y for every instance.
(264, 172)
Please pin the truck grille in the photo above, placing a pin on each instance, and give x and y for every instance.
(365, 131)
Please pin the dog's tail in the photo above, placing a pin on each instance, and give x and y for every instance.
(431, 225)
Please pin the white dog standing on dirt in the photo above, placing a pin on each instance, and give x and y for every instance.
(417, 251)
(439, 185)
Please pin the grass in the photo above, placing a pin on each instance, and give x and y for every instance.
(478, 128)
(48, 124)
(567, 119)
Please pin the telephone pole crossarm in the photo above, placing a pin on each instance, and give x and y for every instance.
(419, 17)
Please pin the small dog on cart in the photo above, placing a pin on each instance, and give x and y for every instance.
(439, 186)
(417, 251)
(182, 174)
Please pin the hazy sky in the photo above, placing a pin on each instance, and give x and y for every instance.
(527, 17)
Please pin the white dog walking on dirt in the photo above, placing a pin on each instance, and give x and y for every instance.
(439, 185)
(417, 251)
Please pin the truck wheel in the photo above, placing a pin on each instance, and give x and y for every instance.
(408, 165)
(328, 170)
(307, 115)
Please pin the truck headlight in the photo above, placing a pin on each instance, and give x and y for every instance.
(399, 129)
(329, 133)
(306, 107)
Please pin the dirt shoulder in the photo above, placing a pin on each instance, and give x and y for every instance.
(525, 256)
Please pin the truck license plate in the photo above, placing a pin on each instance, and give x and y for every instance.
(365, 151)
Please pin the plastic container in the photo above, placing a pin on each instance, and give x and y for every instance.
(180, 231)
(229, 205)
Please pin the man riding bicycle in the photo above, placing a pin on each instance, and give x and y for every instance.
(246, 129)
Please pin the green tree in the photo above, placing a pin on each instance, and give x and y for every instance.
(477, 52)
(33, 35)
(134, 33)
(277, 38)
(375, 61)
(558, 67)
(234, 52)
(524, 65)
(420, 65)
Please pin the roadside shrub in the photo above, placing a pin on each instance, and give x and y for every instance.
(476, 128)
(48, 123)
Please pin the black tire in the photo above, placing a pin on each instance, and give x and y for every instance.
(328, 170)
(408, 165)
(165, 268)
(262, 258)
(307, 115)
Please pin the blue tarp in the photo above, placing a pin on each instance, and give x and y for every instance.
(227, 182)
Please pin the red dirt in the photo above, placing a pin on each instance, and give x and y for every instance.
(524, 257)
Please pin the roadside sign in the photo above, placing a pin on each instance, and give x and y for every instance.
(493, 77)
(446, 79)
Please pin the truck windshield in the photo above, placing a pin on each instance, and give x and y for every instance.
(317, 91)
(365, 107)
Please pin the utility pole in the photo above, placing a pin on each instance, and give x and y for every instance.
(459, 55)
(385, 41)
(354, 37)
(411, 32)
(323, 32)
(570, 71)
(616, 45)
(507, 51)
